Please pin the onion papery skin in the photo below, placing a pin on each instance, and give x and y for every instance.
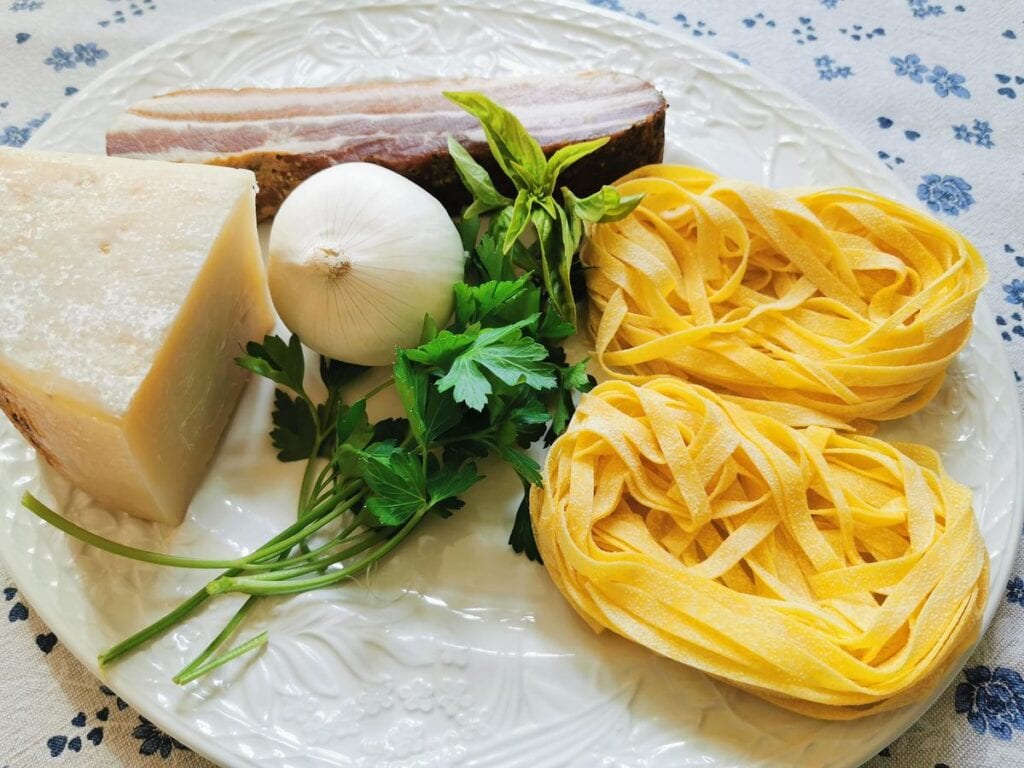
(358, 256)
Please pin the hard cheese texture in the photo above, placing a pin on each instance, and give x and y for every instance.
(127, 287)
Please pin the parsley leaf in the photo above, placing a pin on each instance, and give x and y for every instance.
(553, 328)
(353, 427)
(447, 483)
(522, 539)
(525, 466)
(495, 265)
(397, 480)
(394, 430)
(496, 302)
(294, 432)
(442, 349)
(512, 361)
(278, 361)
(465, 358)
(431, 413)
(352, 433)
(573, 378)
(336, 375)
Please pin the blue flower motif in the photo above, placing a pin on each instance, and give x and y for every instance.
(947, 82)
(827, 69)
(983, 134)
(1015, 587)
(17, 135)
(921, 9)
(26, 5)
(154, 740)
(980, 133)
(1014, 291)
(949, 194)
(829, 3)
(993, 700)
(60, 59)
(910, 66)
(89, 54)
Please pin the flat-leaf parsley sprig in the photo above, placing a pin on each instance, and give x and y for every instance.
(494, 382)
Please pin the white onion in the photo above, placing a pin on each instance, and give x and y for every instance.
(358, 256)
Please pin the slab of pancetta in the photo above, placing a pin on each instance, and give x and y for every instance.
(285, 135)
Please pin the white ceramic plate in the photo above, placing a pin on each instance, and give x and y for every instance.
(457, 652)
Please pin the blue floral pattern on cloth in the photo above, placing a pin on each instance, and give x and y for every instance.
(943, 82)
(945, 194)
(947, 83)
(980, 133)
(88, 54)
(922, 9)
(910, 66)
(17, 135)
(829, 69)
(1015, 591)
(154, 741)
(1014, 291)
(993, 700)
(932, 87)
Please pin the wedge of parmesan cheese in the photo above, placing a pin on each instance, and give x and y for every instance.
(127, 287)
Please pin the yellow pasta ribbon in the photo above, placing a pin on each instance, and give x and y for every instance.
(837, 300)
(833, 574)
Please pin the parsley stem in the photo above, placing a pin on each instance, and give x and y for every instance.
(61, 523)
(234, 653)
(358, 544)
(256, 586)
(217, 642)
(379, 388)
(303, 557)
(158, 627)
(308, 476)
(321, 484)
(289, 537)
(178, 614)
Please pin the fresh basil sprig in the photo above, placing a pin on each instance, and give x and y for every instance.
(558, 225)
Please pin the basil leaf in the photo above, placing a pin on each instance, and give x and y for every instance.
(519, 222)
(499, 224)
(604, 205)
(476, 179)
(548, 204)
(569, 245)
(516, 151)
(548, 239)
(565, 157)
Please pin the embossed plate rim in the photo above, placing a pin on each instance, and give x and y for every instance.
(171, 721)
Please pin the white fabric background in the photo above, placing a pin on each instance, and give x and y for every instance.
(947, 122)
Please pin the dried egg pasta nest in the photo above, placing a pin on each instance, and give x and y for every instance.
(837, 300)
(833, 574)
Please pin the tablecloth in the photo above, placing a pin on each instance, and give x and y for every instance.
(934, 89)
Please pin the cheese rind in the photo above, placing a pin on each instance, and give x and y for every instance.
(126, 290)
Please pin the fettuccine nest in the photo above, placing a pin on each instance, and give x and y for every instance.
(837, 300)
(833, 574)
